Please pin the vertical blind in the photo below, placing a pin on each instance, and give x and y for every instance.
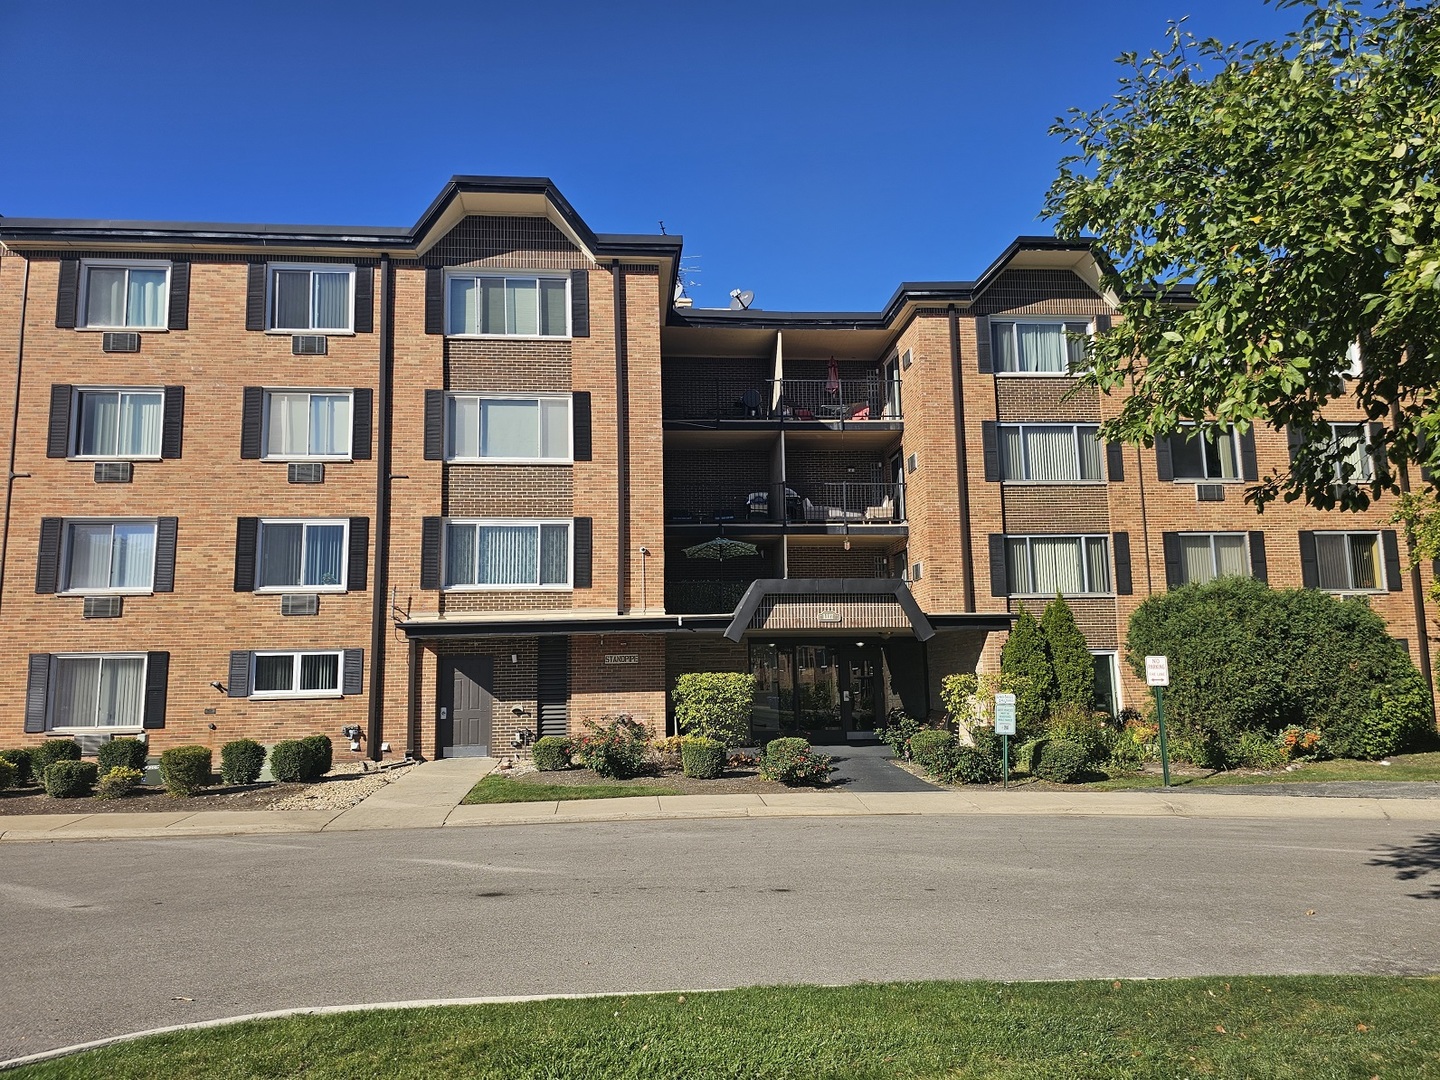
(1049, 452)
(305, 424)
(1348, 443)
(294, 554)
(120, 423)
(1046, 565)
(311, 300)
(1205, 456)
(1207, 556)
(124, 296)
(1037, 347)
(1348, 560)
(522, 307)
(519, 554)
(111, 555)
(95, 691)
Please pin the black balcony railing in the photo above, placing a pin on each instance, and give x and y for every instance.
(703, 597)
(732, 399)
(800, 503)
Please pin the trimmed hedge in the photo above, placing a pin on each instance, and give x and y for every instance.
(715, 705)
(20, 758)
(241, 761)
(68, 779)
(118, 782)
(45, 754)
(794, 761)
(551, 753)
(184, 770)
(1062, 761)
(929, 748)
(122, 754)
(702, 758)
(7, 774)
(289, 762)
(322, 754)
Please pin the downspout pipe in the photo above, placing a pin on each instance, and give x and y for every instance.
(10, 475)
(967, 560)
(380, 587)
(622, 439)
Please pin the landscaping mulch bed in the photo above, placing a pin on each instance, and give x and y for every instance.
(33, 800)
(735, 781)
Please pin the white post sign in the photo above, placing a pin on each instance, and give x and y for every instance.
(1157, 671)
(1004, 714)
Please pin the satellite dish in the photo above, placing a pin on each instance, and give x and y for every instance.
(740, 301)
(679, 290)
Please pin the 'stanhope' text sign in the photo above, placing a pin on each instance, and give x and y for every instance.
(622, 658)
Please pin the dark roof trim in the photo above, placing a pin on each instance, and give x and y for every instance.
(998, 620)
(892, 587)
(523, 627)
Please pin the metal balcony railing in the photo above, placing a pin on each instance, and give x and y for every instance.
(703, 597)
(730, 399)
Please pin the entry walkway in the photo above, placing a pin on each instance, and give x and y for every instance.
(419, 798)
(869, 768)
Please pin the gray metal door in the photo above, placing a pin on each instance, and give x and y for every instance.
(467, 705)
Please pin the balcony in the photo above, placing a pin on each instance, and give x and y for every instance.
(839, 503)
(738, 401)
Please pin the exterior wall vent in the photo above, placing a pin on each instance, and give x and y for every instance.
(103, 607)
(912, 463)
(1209, 492)
(113, 472)
(915, 571)
(906, 359)
(307, 472)
(308, 345)
(299, 604)
(127, 342)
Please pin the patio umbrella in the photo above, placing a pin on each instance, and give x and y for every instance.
(722, 547)
(832, 378)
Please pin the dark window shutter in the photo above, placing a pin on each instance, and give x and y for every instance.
(1163, 464)
(1390, 543)
(982, 350)
(1309, 561)
(990, 448)
(47, 561)
(363, 433)
(255, 297)
(58, 441)
(1294, 440)
(166, 530)
(1102, 324)
(430, 553)
(252, 420)
(999, 583)
(1249, 466)
(579, 303)
(1115, 461)
(247, 536)
(1259, 570)
(172, 430)
(37, 688)
(1174, 564)
(179, 295)
(1379, 460)
(1124, 583)
(157, 689)
(584, 552)
(352, 679)
(239, 682)
(552, 687)
(355, 575)
(67, 297)
(580, 418)
(434, 425)
(434, 300)
(364, 300)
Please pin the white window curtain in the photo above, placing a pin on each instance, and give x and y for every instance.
(331, 300)
(77, 692)
(1220, 456)
(509, 555)
(146, 299)
(510, 428)
(288, 434)
(1056, 565)
(111, 555)
(120, 424)
(132, 562)
(89, 556)
(324, 554)
(464, 305)
(99, 692)
(1043, 347)
(329, 425)
(1197, 559)
(122, 692)
(1232, 556)
(464, 427)
(105, 297)
(1097, 560)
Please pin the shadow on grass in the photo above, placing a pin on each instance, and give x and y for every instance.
(1414, 863)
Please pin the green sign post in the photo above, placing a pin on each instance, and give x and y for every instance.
(1005, 727)
(1157, 674)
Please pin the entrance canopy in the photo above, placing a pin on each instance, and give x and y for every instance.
(840, 604)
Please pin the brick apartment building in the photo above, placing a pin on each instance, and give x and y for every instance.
(434, 486)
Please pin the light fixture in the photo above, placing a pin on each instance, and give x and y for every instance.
(860, 644)
(514, 658)
(218, 685)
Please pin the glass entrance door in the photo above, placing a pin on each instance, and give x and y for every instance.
(859, 691)
(815, 690)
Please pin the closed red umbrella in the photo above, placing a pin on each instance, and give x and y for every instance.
(832, 378)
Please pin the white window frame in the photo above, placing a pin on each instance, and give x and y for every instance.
(82, 300)
(1116, 681)
(1080, 539)
(455, 273)
(297, 655)
(65, 549)
(1382, 579)
(568, 459)
(568, 585)
(1045, 320)
(340, 391)
(1075, 446)
(91, 729)
(1214, 562)
(1336, 429)
(75, 414)
(343, 586)
(1234, 434)
(323, 268)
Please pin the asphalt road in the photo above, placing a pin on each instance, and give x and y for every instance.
(108, 937)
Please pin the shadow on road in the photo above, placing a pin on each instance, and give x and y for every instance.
(1414, 863)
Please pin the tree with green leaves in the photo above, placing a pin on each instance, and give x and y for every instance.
(1069, 656)
(1267, 215)
(1027, 655)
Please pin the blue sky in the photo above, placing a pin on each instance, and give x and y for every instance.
(815, 153)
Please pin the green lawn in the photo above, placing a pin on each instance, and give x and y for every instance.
(502, 789)
(1401, 767)
(1289, 1027)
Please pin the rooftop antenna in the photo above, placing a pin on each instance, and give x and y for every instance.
(741, 301)
(662, 229)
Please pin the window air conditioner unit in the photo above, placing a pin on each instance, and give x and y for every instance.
(1209, 492)
(103, 607)
(299, 604)
(307, 472)
(113, 472)
(308, 345)
(120, 342)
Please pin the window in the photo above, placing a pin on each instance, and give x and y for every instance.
(1107, 682)
(295, 674)
(307, 423)
(119, 423)
(1348, 561)
(1050, 452)
(311, 299)
(1046, 565)
(108, 556)
(1206, 455)
(509, 554)
(1207, 556)
(508, 306)
(1037, 347)
(492, 428)
(97, 691)
(126, 296)
(1350, 447)
(308, 555)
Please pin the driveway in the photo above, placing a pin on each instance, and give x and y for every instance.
(870, 768)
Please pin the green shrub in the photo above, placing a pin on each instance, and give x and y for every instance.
(1126, 755)
(1025, 756)
(321, 755)
(551, 753)
(1257, 750)
(715, 705)
(118, 782)
(7, 774)
(184, 770)
(957, 696)
(1391, 717)
(45, 754)
(241, 761)
(971, 765)
(1079, 724)
(794, 761)
(1069, 655)
(1061, 761)
(122, 754)
(20, 758)
(702, 758)
(290, 762)
(1200, 748)
(928, 747)
(70, 779)
(1026, 655)
(615, 746)
(899, 730)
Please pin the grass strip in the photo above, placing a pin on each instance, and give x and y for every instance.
(502, 789)
(1286, 1027)
(1409, 767)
